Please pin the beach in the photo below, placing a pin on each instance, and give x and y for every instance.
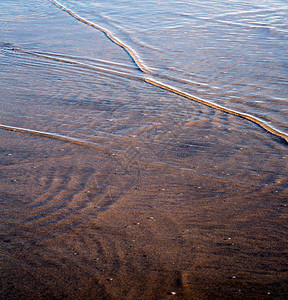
(117, 182)
(77, 225)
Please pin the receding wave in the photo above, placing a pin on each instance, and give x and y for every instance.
(248, 117)
(144, 69)
(60, 58)
(115, 40)
(55, 136)
(150, 80)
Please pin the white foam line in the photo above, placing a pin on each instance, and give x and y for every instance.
(109, 35)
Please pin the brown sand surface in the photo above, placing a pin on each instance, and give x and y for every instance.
(82, 223)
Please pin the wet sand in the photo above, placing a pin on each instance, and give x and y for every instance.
(80, 223)
(119, 189)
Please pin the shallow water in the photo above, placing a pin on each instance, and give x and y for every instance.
(114, 115)
(83, 72)
(232, 53)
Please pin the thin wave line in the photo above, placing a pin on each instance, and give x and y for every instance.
(161, 85)
(131, 53)
(136, 60)
(94, 146)
(93, 60)
(63, 58)
(56, 136)
(87, 66)
(245, 116)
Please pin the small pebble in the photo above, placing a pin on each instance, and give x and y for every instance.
(172, 293)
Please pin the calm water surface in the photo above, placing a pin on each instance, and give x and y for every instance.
(230, 53)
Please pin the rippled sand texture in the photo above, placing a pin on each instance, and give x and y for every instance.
(114, 188)
(82, 223)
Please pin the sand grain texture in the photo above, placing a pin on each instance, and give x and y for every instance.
(76, 224)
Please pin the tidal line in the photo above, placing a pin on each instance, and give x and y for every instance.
(245, 116)
(158, 84)
(55, 136)
(131, 53)
(141, 67)
(80, 64)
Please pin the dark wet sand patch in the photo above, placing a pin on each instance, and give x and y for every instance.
(76, 223)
